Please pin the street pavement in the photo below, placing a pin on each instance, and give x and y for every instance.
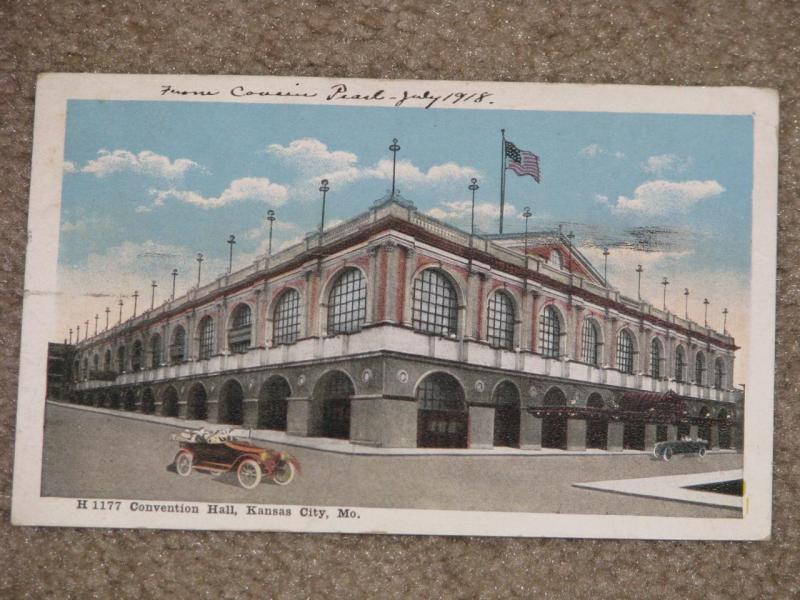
(96, 455)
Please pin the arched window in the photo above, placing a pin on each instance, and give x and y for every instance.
(107, 361)
(177, 349)
(206, 338)
(680, 364)
(136, 356)
(347, 303)
(625, 351)
(435, 304)
(550, 333)
(590, 343)
(442, 417)
(239, 336)
(555, 259)
(655, 359)
(699, 368)
(121, 359)
(719, 373)
(286, 319)
(96, 363)
(500, 331)
(85, 367)
(155, 351)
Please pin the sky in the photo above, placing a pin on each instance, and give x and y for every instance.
(147, 185)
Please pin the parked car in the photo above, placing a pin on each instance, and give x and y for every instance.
(666, 450)
(215, 451)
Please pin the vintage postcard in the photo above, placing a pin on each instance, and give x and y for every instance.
(421, 307)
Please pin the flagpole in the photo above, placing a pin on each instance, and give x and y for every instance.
(502, 176)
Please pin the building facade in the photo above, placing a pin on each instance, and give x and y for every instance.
(396, 330)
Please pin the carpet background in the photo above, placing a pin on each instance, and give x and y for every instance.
(670, 43)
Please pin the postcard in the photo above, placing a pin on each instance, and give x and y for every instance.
(410, 307)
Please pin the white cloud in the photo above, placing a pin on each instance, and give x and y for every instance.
(145, 162)
(592, 150)
(664, 163)
(309, 154)
(86, 223)
(258, 189)
(660, 197)
(143, 209)
(459, 212)
(69, 167)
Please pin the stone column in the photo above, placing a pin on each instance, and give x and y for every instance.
(472, 302)
(183, 408)
(375, 290)
(525, 319)
(650, 436)
(530, 431)
(616, 435)
(258, 337)
(481, 426)
(576, 434)
(390, 281)
(714, 441)
(536, 301)
(408, 291)
(298, 418)
(250, 413)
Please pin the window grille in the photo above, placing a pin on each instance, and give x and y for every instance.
(500, 330)
(286, 322)
(347, 303)
(719, 373)
(590, 342)
(177, 350)
(655, 359)
(550, 333)
(155, 351)
(239, 337)
(206, 338)
(435, 304)
(625, 352)
(680, 364)
(699, 368)
(440, 391)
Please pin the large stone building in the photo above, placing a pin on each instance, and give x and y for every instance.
(396, 330)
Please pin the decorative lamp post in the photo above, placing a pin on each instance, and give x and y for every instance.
(70, 336)
(174, 276)
(527, 214)
(231, 242)
(605, 266)
(96, 317)
(686, 303)
(323, 187)
(570, 237)
(120, 311)
(473, 187)
(394, 148)
(199, 266)
(86, 334)
(153, 286)
(639, 270)
(706, 302)
(135, 301)
(271, 219)
(725, 321)
(665, 283)
(108, 310)
(78, 334)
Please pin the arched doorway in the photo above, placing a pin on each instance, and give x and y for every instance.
(129, 399)
(704, 427)
(442, 415)
(554, 426)
(335, 391)
(231, 409)
(273, 405)
(506, 415)
(596, 423)
(148, 401)
(197, 405)
(169, 402)
(724, 429)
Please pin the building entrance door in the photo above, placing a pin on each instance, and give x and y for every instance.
(337, 418)
(506, 415)
(442, 418)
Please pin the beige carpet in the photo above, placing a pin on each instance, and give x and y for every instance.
(675, 43)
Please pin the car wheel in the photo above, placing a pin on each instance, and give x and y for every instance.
(667, 455)
(183, 463)
(248, 473)
(701, 453)
(284, 473)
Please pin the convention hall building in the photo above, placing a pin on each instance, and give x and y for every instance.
(394, 329)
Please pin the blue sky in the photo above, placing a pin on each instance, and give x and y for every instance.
(149, 184)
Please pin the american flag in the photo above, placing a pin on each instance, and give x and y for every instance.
(522, 162)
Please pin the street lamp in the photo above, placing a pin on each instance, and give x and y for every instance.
(96, 317)
(153, 286)
(665, 283)
(394, 148)
(86, 335)
(70, 335)
(108, 310)
(120, 311)
(527, 214)
(324, 189)
(570, 237)
(639, 270)
(199, 266)
(686, 303)
(725, 321)
(135, 301)
(174, 276)
(271, 219)
(231, 242)
(706, 302)
(473, 187)
(605, 266)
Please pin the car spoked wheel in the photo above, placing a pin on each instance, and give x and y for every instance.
(183, 463)
(667, 455)
(284, 473)
(248, 473)
(701, 453)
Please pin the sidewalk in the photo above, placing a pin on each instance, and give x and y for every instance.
(344, 446)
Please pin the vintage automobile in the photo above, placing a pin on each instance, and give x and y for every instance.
(666, 450)
(215, 451)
